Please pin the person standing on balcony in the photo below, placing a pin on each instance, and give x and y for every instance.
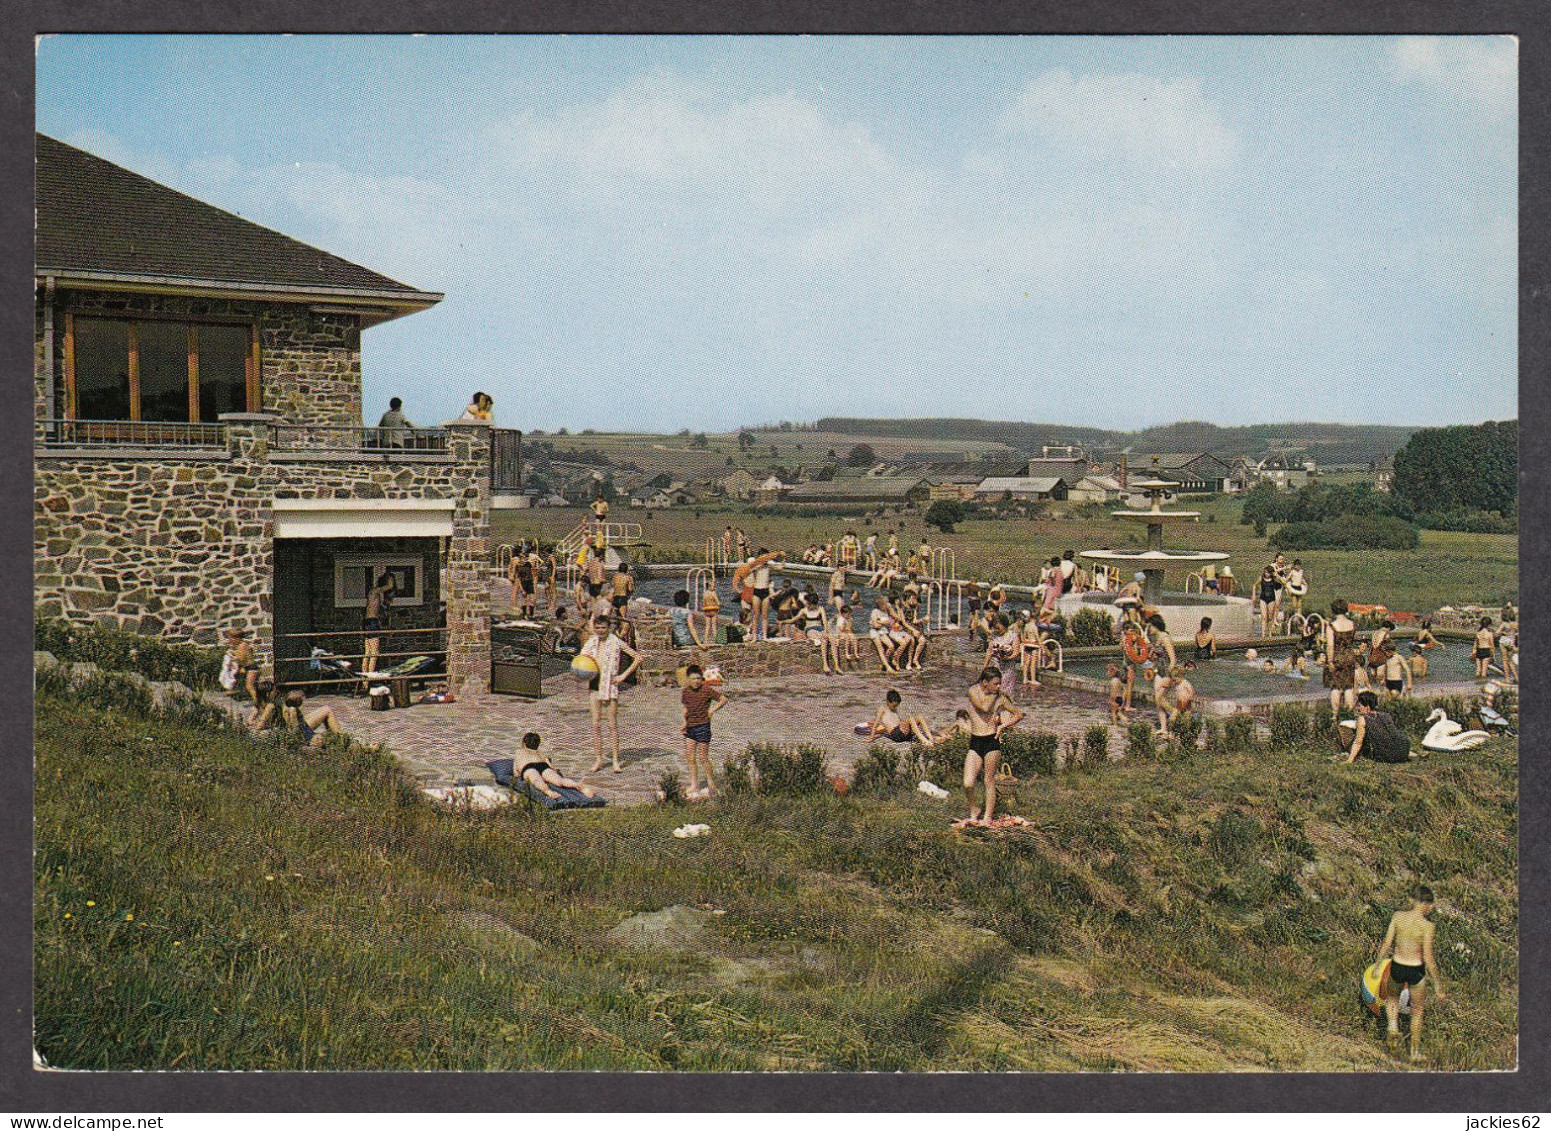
(479, 407)
(394, 429)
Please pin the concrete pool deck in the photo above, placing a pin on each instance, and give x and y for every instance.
(443, 744)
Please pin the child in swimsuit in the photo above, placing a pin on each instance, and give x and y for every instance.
(1117, 694)
(1485, 642)
(890, 724)
(540, 775)
(1206, 641)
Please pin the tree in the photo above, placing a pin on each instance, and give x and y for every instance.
(1462, 468)
(606, 489)
(861, 456)
(700, 441)
(745, 440)
(944, 513)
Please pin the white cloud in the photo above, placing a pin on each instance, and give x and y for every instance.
(1481, 70)
(1163, 124)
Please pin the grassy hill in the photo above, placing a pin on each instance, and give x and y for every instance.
(205, 901)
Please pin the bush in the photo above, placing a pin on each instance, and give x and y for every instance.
(1239, 733)
(1469, 522)
(1216, 738)
(942, 765)
(112, 691)
(1090, 629)
(1409, 714)
(789, 770)
(1348, 532)
(1187, 728)
(878, 772)
(116, 650)
(671, 786)
(1139, 740)
(1026, 754)
(1289, 725)
(944, 514)
(736, 776)
(1095, 746)
(1322, 725)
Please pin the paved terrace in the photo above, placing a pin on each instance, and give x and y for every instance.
(442, 744)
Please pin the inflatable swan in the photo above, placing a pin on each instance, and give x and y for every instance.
(1447, 735)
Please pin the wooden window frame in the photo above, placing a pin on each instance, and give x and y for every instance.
(251, 363)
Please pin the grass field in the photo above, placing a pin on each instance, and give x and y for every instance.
(203, 901)
(673, 454)
(1449, 568)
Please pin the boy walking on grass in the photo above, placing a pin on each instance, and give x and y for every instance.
(1410, 939)
(700, 701)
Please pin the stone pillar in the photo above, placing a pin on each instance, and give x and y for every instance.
(247, 443)
(465, 582)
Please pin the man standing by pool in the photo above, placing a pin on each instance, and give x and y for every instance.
(990, 713)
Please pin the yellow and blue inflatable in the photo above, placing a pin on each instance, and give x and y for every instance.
(1375, 984)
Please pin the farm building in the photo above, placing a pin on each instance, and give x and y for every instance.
(897, 490)
(1197, 473)
(201, 461)
(1022, 488)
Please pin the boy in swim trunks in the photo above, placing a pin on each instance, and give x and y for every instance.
(1117, 694)
(1485, 642)
(700, 701)
(1410, 939)
(540, 775)
(990, 713)
(890, 724)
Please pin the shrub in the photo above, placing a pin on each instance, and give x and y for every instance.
(112, 691)
(671, 786)
(1026, 754)
(789, 770)
(1187, 728)
(1322, 725)
(116, 650)
(1233, 837)
(1409, 714)
(942, 765)
(1090, 629)
(1348, 532)
(1073, 752)
(192, 711)
(1216, 738)
(736, 777)
(878, 772)
(1139, 740)
(1239, 733)
(1289, 725)
(1095, 746)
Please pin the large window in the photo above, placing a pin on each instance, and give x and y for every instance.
(354, 575)
(116, 369)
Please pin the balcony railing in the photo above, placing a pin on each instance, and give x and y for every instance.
(505, 460)
(130, 434)
(334, 439)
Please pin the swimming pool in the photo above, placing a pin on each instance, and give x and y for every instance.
(1232, 676)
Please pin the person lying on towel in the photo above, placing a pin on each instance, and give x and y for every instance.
(540, 775)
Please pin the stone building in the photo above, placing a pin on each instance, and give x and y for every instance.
(201, 461)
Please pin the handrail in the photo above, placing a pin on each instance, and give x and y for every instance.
(352, 439)
(1060, 653)
(73, 433)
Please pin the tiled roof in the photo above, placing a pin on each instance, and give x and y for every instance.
(94, 216)
(864, 488)
(1039, 485)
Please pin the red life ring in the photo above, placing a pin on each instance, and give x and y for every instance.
(1136, 647)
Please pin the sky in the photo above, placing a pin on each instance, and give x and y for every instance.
(657, 233)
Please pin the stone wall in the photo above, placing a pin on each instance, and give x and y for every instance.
(309, 363)
(182, 546)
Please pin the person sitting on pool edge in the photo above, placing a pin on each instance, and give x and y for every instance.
(1374, 735)
(890, 724)
(540, 775)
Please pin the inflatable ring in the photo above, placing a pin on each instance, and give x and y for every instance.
(1136, 648)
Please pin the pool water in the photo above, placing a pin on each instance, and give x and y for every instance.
(1231, 676)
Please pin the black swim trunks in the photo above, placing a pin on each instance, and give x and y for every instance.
(1395, 684)
(620, 600)
(539, 766)
(1482, 653)
(372, 624)
(984, 744)
(1406, 975)
(594, 588)
(762, 592)
(899, 734)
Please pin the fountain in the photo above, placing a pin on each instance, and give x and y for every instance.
(1230, 615)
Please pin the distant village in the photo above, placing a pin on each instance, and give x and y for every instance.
(1060, 473)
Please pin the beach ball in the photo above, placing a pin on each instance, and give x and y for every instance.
(1252, 655)
(584, 668)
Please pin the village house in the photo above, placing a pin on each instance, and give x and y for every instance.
(201, 459)
(1093, 488)
(1198, 473)
(740, 484)
(1286, 473)
(1062, 461)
